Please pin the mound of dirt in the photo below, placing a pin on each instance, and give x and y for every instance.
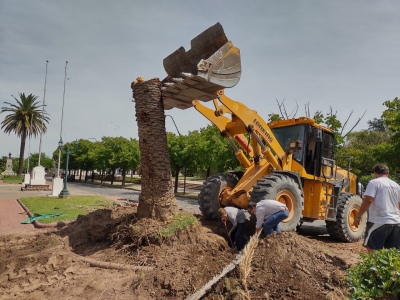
(288, 266)
(87, 260)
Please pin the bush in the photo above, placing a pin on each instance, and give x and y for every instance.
(377, 276)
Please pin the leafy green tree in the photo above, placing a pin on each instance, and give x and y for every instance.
(91, 162)
(82, 159)
(120, 153)
(129, 158)
(211, 153)
(390, 120)
(25, 119)
(3, 163)
(101, 157)
(377, 144)
(45, 161)
(365, 148)
(178, 155)
(335, 125)
(377, 125)
(72, 163)
(274, 117)
(318, 117)
(391, 116)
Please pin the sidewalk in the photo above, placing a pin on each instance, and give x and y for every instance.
(11, 212)
(11, 216)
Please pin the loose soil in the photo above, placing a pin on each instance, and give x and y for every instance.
(99, 256)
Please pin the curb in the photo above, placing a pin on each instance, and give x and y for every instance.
(37, 224)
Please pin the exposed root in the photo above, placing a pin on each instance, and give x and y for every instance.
(104, 264)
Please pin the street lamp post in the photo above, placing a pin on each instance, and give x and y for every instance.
(60, 145)
(65, 193)
(62, 119)
(184, 167)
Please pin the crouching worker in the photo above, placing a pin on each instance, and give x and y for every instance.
(269, 213)
(237, 218)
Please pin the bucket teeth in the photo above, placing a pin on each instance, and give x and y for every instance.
(177, 80)
(186, 75)
(212, 64)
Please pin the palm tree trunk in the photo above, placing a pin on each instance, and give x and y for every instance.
(157, 199)
(21, 152)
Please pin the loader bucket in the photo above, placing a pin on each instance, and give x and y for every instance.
(212, 64)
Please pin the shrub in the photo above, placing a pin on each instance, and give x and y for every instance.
(377, 276)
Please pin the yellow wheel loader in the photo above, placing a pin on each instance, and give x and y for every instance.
(291, 161)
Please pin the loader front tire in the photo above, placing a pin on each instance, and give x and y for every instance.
(343, 228)
(283, 189)
(209, 196)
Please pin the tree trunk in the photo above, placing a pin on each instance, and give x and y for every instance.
(176, 178)
(21, 153)
(123, 177)
(112, 176)
(157, 199)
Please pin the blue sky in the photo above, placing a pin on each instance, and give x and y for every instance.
(339, 54)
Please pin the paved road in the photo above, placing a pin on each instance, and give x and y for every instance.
(128, 194)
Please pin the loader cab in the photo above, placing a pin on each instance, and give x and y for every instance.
(317, 152)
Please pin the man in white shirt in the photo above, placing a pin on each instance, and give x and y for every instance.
(237, 218)
(269, 213)
(382, 200)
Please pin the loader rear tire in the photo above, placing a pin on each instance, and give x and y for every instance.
(343, 229)
(209, 196)
(284, 189)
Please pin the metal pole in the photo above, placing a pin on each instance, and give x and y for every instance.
(65, 192)
(62, 118)
(41, 131)
(174, 124)
(29, 151)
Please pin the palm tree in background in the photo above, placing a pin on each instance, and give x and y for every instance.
(26, 119)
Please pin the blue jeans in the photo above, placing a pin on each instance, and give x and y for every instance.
(237, 236)
(272, 223)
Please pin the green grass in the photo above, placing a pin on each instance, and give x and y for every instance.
(180, 221)
(70, 208)
(136, 180)
(13, 179)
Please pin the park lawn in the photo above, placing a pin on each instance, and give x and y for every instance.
(13, 179)
(70, 207)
